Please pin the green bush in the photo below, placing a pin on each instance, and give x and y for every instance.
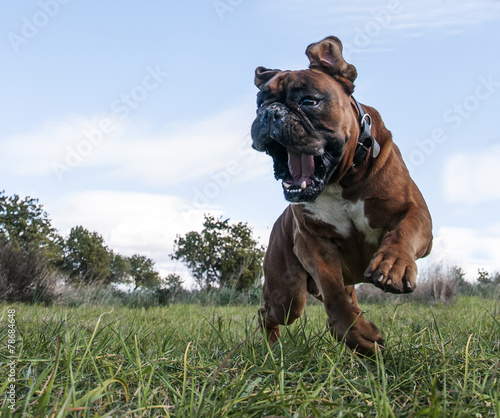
(25, 276)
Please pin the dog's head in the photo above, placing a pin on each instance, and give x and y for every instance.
(305, 120)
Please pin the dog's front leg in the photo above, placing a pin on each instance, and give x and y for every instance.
(393, 267)
(321, 258)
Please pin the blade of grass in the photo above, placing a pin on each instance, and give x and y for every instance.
(466, 373)
(184, 381)
(90, 341)
(47, 389)
(96, 393)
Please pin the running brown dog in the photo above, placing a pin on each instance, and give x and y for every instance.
(355, 215)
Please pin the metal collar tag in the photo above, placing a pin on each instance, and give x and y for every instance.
(366, 138)
(366, 141)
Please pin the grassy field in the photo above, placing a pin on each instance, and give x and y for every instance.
(104, 361)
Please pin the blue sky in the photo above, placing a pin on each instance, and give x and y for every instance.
(132, 119)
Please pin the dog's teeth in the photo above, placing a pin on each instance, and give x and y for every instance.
(286, 185)
(381, 278)
(303, 185)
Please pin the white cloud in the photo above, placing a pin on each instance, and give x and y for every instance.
(187, 153)
(472, 178)
(172, 155)
(130, 223)
(374, 17)
(427, 14)
(468, 248)
(35, 153)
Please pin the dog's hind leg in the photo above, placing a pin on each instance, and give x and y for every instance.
(285, 296)
(285, 281)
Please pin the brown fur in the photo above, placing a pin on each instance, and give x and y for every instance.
(307, 254)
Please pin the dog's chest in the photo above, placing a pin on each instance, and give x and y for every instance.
(330, 207)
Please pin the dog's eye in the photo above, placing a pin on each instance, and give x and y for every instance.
(308, 102)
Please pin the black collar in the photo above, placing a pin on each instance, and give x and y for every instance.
(366, 141)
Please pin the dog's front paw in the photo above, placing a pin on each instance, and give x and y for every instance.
(363, 336)
(392, 273)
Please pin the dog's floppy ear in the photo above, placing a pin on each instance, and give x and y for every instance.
(326, 55)
(263, 75)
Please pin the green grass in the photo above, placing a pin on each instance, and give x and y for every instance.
(439, 361)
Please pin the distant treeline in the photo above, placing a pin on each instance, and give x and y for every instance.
(38, 265)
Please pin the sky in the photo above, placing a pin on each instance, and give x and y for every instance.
(132, 119)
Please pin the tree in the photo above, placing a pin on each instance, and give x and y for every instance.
(143, 272)
(26, 226)
(173, 282)
(119, 269)
(29, 250)
(463, 286)
(86, 258)
(25, 276)
(172, 288)
(222, 254)
(485, 283)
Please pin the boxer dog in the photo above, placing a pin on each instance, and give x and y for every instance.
(355, 215)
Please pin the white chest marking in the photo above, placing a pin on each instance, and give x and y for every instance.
(331, 208)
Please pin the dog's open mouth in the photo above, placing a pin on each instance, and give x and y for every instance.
(303, 175)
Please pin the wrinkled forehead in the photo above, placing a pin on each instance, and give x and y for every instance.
(290, 82)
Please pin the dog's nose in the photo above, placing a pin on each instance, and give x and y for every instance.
(272, 113)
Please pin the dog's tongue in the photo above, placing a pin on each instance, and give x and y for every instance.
(301, 168)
